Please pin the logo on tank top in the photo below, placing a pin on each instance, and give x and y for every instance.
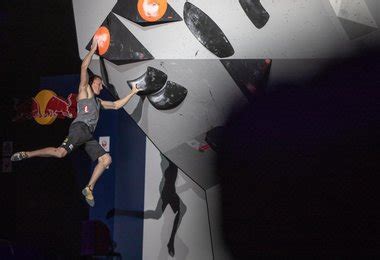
(86, 109)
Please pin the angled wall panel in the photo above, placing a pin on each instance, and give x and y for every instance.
(296, 29)
(123, 47)
(212, 96)
(134, 10)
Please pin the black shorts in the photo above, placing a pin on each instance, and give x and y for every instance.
(81, 136)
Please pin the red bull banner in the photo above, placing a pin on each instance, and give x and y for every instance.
(46, 107)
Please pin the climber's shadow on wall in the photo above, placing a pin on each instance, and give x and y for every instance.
(168, 196)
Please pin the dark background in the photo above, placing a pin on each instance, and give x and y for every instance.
(38, 39)
(40, 202)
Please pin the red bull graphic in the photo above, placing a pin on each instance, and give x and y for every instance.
(46, 106)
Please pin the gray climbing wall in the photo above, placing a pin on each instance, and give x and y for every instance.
(296, 29)
(300, 37)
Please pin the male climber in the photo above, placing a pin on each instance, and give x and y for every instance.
(83, 127)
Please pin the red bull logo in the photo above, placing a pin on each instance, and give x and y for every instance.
(46, 107)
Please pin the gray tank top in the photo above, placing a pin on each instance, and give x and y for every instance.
(88, 112)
